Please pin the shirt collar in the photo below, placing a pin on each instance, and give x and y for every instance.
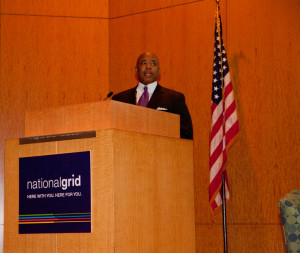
(151, 87)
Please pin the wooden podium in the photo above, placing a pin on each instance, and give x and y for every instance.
(142, 184)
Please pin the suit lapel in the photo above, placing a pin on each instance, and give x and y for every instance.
(130, 97)
(156, 97)
(133, 96)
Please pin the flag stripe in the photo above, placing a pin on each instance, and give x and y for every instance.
(231, 133)
(229, 99)
(217, 126)
(216, 141)
(215, 156)
(230, 117)
(216, 176)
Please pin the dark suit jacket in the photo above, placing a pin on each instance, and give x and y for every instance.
(162, 97)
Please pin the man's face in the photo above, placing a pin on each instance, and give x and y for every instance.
(147, 68)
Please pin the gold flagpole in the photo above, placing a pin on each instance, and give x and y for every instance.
(223, 101)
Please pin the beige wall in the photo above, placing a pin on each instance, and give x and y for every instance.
(67, 52)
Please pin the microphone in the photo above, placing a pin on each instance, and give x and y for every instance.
(108, 95)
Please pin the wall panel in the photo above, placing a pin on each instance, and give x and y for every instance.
(241, 238)
(264, 47)
(74, 8)
(49, 61)
(53, 61)
(170, 33)
(124, 8)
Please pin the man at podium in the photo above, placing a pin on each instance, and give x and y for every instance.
(150, 94)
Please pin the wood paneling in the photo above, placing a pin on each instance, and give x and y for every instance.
(52, 61)
(181, 29)
(158, 213)
(74, 8)
(267, 75)
(242, 238)
(127, 7)
(102, 185)
(49, 62)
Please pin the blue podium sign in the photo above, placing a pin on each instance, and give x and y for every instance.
(55, 193)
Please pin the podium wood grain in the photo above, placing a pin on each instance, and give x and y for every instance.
(13, 242)
(101, 115)
(142, 195)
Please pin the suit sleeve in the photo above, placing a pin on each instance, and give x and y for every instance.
(117, 97)
(127, 96)
(186, 125)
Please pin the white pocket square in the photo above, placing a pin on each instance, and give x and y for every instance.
(161, 109)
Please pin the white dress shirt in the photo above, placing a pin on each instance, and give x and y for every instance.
(140, 90)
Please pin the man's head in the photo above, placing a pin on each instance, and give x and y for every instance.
(147, 68)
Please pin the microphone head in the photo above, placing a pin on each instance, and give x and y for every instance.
(109, 94)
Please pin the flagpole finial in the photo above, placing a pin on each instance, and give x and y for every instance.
(218, 8)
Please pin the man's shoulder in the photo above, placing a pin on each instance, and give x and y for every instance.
(124, 93)
(171, 92)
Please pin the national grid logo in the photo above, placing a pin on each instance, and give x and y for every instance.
(63, 183)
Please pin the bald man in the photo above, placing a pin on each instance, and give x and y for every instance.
(150, 94)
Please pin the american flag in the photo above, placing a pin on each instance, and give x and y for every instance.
(224, 127)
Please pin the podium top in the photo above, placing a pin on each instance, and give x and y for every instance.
(101, 115)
